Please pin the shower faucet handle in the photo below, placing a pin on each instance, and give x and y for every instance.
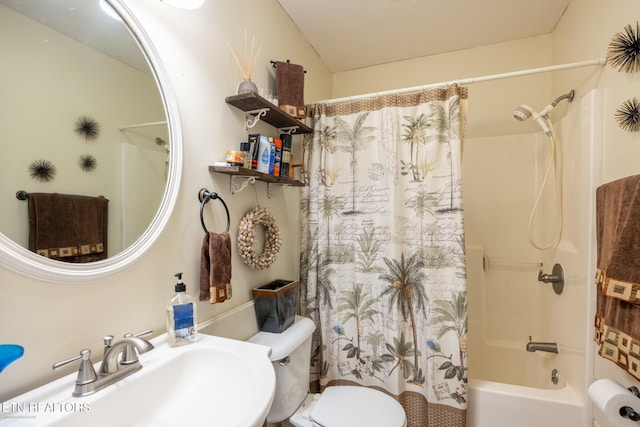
(556, 277)
(548, 278)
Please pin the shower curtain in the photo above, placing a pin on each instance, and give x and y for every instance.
(382, 253)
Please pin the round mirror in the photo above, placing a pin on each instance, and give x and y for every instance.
(87, 111)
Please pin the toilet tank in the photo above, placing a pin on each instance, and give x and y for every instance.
(291, 359)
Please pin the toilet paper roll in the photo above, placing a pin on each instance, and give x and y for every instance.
(609, 396)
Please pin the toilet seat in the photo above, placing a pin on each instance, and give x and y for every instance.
(348, 406)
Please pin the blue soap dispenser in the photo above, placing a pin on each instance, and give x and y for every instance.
(181, 317)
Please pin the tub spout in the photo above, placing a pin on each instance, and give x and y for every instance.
(549, 347)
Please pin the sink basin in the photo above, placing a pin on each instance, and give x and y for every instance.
(216, 381)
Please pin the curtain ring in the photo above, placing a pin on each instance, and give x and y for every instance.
(204, 196)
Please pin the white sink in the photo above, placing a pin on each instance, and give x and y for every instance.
(216, 382)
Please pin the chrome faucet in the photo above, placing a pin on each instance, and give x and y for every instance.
(113, 367)
(550, 347)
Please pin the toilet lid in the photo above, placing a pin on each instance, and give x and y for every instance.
(348, 406)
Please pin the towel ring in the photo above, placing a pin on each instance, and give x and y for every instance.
(204, 196)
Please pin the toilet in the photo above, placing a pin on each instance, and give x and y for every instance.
(337, 406)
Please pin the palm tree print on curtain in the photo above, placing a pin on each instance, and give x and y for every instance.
(382, 262)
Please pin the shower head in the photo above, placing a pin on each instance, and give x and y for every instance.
(523, 112)
(162, 143)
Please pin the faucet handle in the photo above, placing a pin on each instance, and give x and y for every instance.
(86, 373)
(130, 355)
(108, 341)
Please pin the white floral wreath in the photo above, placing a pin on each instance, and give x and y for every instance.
(247, 237)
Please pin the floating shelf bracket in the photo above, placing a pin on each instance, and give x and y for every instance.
(274, 189)
(237, 186)
(288, 130)
(252, 117)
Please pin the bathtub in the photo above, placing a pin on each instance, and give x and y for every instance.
(510, 386)
(493, 404)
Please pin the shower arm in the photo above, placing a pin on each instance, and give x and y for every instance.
(569, 96)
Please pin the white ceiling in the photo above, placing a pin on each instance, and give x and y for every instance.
(347, 34)
(350, 34)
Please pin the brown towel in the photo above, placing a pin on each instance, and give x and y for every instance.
(290, 84)
(68, 227)
(215, 267)
(617, 317)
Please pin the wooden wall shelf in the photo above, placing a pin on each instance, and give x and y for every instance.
(250, 175)
(259, 176)
(260, 109)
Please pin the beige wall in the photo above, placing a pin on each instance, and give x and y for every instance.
(491, 103)
(588, 27)
(55, 321)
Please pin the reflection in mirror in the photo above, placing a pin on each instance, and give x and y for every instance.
(68, 61)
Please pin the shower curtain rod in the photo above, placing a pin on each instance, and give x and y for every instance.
(467, 81)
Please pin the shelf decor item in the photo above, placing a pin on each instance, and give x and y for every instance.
(247, 66)
(623, 52)
(290, 88)
(247, 237)
(628, 115)
(275, 304)
(247, 86)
